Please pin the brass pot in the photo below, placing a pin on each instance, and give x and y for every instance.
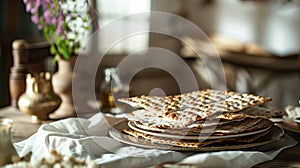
(39, 99)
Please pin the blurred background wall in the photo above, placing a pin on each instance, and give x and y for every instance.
(14, 23)
(272, 24)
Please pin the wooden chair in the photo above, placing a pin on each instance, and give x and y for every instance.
(27, 58)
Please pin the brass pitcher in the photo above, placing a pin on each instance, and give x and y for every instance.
(7, 150)
(39, 100)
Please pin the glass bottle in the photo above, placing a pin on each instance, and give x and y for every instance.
(110, 93)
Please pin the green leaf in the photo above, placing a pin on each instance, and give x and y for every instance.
(63, 49)
(46, 32)
(64, 53)
(54, 59)
(86, 27)
(85, 20)
(53, 50)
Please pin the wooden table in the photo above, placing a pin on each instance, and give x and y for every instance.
(23, 128)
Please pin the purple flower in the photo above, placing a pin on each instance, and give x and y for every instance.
(35, 19)
(47, 17)
(35, 6)
(52, 6)
(38, 3)
(59, 28)
(45, 5)
(54, 21)
(58, 20)
(40, 27)
(64, 37)
(28, 7)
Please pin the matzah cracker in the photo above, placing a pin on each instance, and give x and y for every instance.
(191, 120)
(138, 136)
(264, 112)
(202, 103)
(199, 113)
(223, 128)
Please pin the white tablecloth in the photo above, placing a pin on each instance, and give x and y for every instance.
(88, 138)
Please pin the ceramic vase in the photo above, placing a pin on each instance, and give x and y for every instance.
(62, 85)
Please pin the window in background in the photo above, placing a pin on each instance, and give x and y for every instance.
(114, 9)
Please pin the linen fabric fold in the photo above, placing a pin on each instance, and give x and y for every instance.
(89, 138)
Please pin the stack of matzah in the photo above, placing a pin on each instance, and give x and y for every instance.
(218, 114)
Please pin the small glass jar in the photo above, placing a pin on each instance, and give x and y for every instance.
(8, 153)
(111, 89)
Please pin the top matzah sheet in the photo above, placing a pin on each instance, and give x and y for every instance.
(203, 102)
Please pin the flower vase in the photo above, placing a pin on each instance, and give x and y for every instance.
(62, 85)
